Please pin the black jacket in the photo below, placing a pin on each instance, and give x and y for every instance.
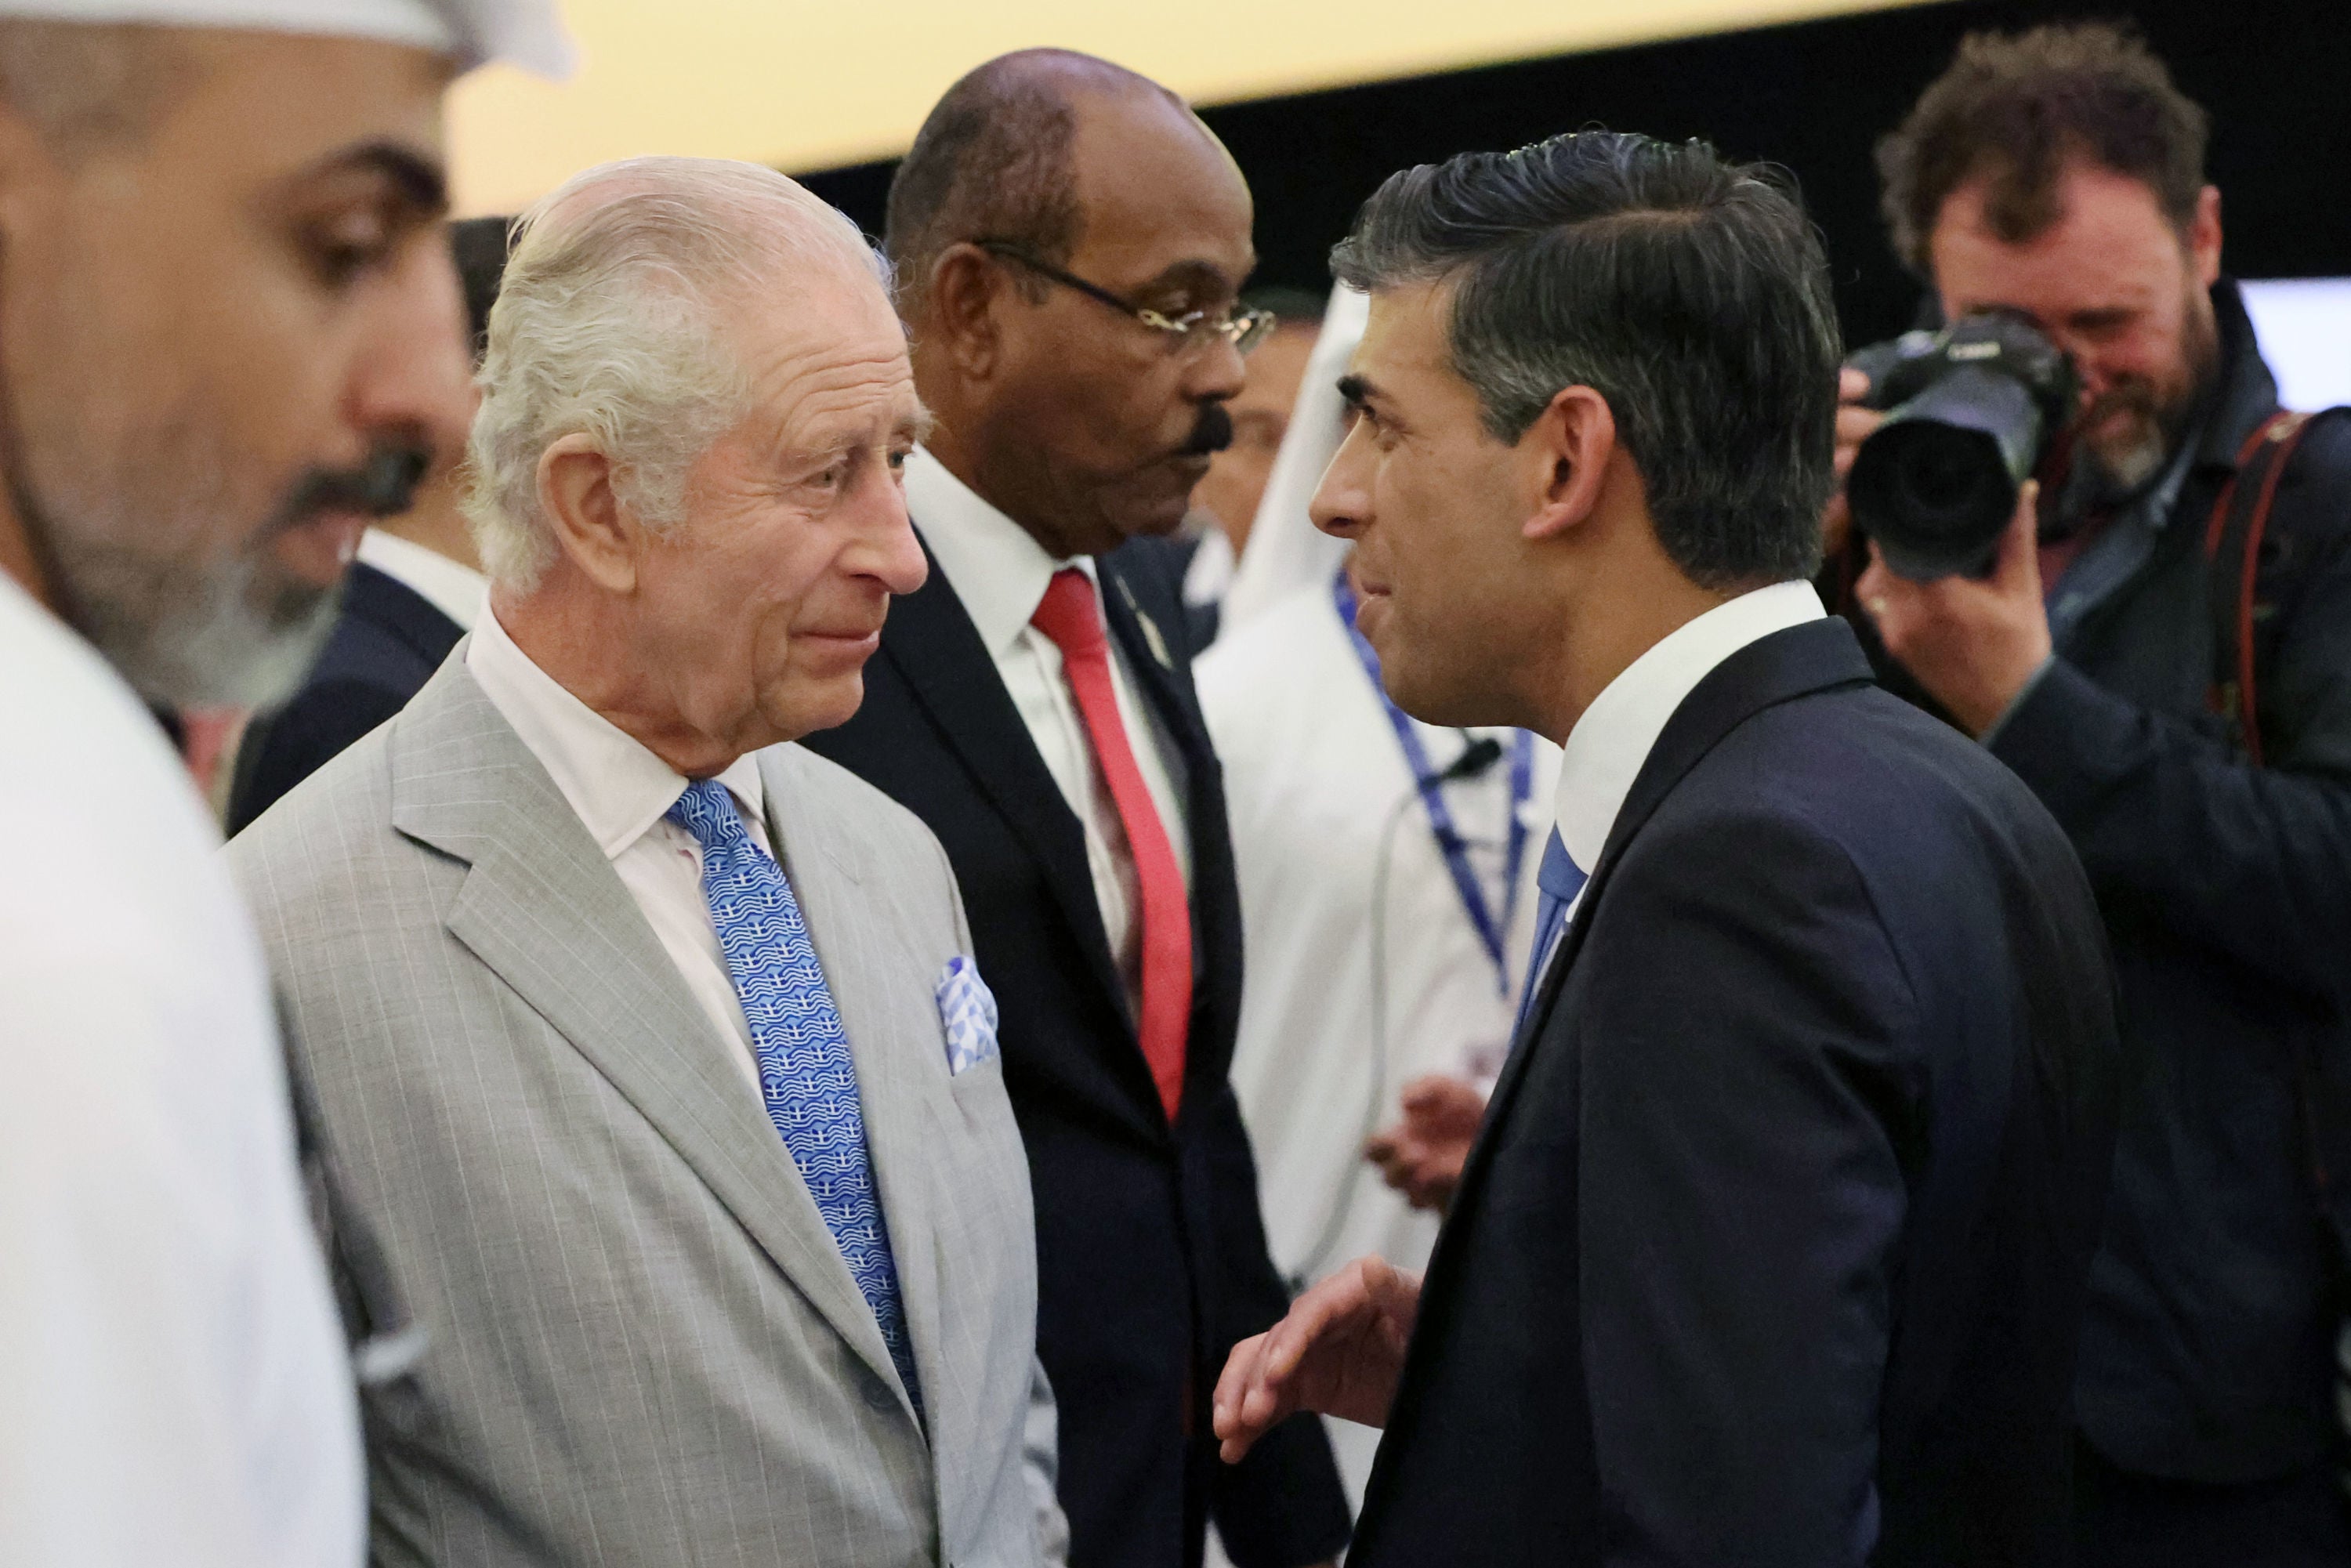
(385, 645)
(1151, 1253)
(1773, 1248)
(2208, 1354)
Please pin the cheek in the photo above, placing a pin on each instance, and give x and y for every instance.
(1413, 532)
(1428, 505)
(1098, 403)
(251, 374)
(2135, 359)
(255, 335)
(781, 593)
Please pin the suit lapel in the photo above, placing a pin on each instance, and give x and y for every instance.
(931, 640)
(545, 911)
(1150, 658)
(1816, 656)
(869, 984)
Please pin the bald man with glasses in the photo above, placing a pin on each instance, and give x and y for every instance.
(1070, 243)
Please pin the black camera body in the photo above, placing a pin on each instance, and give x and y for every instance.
(1970, 413)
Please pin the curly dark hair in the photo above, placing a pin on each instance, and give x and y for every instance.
(2015, 108)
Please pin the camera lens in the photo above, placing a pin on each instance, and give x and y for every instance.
(1949, 488)
(1935, 484)
(1968, 411)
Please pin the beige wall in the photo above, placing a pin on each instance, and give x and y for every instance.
(806, 84)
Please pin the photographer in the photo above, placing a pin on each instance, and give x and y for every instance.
(2165, 660)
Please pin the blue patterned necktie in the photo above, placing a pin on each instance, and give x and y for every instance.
(805, 1071)
(1559, 879)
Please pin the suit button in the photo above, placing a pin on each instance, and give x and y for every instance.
(877, 1393)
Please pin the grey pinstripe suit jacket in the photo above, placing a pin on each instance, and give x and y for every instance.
(645, 1347)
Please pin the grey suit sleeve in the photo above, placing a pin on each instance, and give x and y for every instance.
(1040, 1464)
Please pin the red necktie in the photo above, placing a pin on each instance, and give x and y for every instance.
(1071, 617)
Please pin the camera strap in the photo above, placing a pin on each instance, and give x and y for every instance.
(2243, 624)
(2232, 544)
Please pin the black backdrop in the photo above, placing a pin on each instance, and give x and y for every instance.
(2275, 74)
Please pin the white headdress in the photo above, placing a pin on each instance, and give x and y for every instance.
(1285, 551)
(525, 33)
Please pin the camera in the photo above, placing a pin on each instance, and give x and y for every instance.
(1970, 413)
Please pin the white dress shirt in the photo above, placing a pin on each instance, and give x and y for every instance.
(1606, 749)
(1328, 828)
(623, 793)
(453, 588)
(174, 1383)
(1000, 574)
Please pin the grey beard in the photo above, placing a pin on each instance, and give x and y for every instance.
(236, 633)
(2124, 472)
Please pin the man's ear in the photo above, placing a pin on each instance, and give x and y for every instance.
(592, 525)
(2204, 236)
(966, 288)
(1566, 452)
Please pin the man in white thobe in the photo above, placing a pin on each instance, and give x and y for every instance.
(226, 317)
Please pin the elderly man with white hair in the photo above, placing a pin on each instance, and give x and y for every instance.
(651, 1042)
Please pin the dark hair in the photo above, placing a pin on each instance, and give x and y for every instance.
(2015, 108)
(1689, 292)
(481, 246)
(992, 161)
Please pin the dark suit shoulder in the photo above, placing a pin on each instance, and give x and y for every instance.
(385, 645)
(379, 599)
(1872, 772)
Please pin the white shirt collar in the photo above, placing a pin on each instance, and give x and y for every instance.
(453, 589)
(994, 565)
(1605, 750)
(618, 789)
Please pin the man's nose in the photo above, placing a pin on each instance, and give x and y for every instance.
(1342, 503)
(412, 377)
(886, 549)
(1215, 373)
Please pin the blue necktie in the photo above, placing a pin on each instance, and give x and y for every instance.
(1560, 879)
(805, 1071)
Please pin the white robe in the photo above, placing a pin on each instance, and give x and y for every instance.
(174, 1387)
(1313, 775)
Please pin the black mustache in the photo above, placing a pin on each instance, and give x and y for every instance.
(382, 486)
(1211, 435)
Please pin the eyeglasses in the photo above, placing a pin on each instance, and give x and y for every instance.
(1243, 327)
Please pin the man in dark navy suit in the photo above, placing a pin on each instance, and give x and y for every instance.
(411, 593)
(1071, 243)
(1772, 1248)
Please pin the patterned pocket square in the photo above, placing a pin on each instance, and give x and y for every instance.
(968, 1008)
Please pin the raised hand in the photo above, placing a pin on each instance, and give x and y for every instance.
(1972, 642)
(1338, 1352)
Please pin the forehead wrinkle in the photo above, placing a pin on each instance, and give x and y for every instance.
(843, 403)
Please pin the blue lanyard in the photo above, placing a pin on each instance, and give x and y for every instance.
(1427, 778)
